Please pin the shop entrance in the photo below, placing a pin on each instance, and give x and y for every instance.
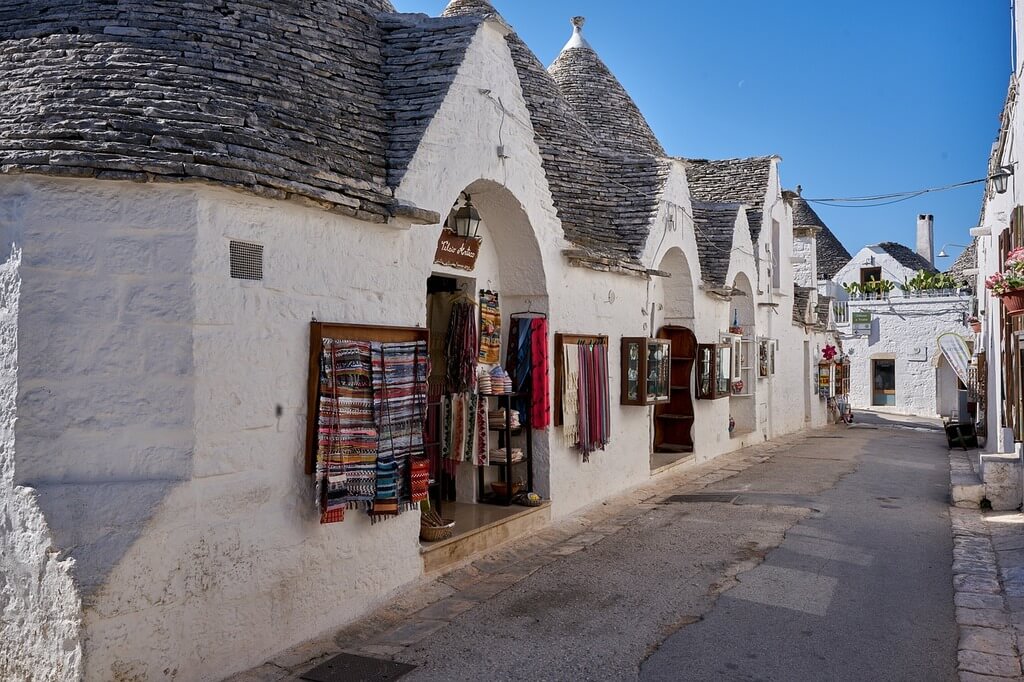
(484, 433)
(883, 380)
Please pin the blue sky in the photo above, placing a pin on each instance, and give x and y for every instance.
(858, 98)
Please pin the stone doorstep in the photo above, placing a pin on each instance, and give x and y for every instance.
(447, 553)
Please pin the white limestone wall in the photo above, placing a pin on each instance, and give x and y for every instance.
(905, 330)
(40, 606)
(803, 261)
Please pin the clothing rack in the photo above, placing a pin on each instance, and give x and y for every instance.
(561, 340)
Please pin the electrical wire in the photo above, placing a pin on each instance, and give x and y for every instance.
(872, 201)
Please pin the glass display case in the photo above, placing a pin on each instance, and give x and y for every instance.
(646, 365)
(714, 370)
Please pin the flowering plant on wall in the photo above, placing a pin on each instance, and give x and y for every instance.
(1010, 279)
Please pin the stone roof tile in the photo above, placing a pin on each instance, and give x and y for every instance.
(715, 227)
(605, 199)
(600, 100)
(732, 180)
(907, 257)
(280, 99)
(801, 303)
(422, 56)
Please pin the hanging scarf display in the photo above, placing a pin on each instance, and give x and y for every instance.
(540, 400)
(586, 404)
(347, 436)
(461, 348)
(400, 373)
(490, 328)
(527, 362)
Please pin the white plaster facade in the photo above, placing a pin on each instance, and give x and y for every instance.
(904, 328)
(157, 519)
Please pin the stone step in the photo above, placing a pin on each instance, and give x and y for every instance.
(486, 537)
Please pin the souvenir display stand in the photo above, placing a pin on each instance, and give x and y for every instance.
(319, 331)
(674, 418)
(508, 466)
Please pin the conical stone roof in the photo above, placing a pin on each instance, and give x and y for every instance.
(599, 98)
(605, 199)
(804, 216)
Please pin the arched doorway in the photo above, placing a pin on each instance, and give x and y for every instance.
(742, 402)
(472, 310)
(672, 318)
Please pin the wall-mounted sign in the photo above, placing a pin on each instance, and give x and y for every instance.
(861, 323)
(958, 354)
(454, 251)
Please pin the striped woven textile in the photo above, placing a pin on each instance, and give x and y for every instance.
(400, 372)
(347, 435)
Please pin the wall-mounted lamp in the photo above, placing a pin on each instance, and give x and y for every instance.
(942, 251)
(467, 220)
(1001, 178)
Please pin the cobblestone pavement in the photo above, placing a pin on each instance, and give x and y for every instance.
(594, 596)
(988, 567)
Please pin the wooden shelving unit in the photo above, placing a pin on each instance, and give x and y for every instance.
(673, 420)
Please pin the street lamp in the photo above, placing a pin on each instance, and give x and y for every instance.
(942, 251)
(467, 220)
(1000, 178)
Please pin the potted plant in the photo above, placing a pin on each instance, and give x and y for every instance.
(975, 324)
(1008, 285)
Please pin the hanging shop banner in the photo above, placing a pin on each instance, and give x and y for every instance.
(455, 251)
(861, 324)
(957, 353)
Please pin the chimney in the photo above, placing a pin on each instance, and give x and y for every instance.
(926, 237)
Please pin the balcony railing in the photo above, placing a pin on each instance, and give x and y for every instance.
(841, 311)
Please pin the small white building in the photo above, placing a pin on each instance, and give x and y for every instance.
(891, 336)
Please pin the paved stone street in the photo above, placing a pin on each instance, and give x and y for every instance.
(821, 556)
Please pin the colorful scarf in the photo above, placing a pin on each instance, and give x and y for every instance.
(465, 429)
(347, 436)
(400, 373)
(490, 328)
(594, 403)
(461, 349)
(540, 400)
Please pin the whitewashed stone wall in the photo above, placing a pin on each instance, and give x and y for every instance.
(803, 261)
(905, 329)
(873, 257)
(39, 604)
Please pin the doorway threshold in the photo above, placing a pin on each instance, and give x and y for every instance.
(479, 528)
(666, 461)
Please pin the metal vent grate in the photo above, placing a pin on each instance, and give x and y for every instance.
(246, 260)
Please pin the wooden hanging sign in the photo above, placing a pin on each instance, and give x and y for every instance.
(455, 251)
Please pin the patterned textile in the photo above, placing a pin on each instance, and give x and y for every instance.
(594, 403)
(527, 362)
(571, 395)
(419, 478)
(490, 328)
(461, 348)
(400, 373)
(347, 436)
(465, 428)
(586, 404)
(540, 399)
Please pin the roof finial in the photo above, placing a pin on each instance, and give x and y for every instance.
(799, 191)
(577, 39)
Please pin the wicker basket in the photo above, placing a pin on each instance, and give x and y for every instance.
(436, 533)
(500, 488)
(433, 528)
